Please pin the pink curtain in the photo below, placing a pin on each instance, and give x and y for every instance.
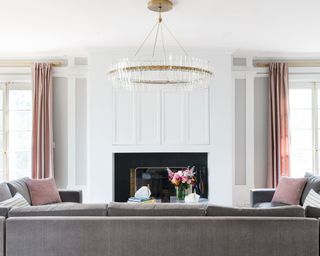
(42, 135)
(278, 141)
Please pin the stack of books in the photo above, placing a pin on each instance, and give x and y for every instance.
(141, 200)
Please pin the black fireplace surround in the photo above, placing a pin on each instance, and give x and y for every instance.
(125, 165)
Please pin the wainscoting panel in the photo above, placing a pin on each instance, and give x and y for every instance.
(148, 117)
(161, 117)
(198, 117)
(124, 123)
(173, 117)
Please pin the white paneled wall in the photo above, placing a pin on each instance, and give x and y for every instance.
(148, 117)
(124, 121)
(198, 117)
(161, 116)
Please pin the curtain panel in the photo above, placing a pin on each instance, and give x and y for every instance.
(278, 126)
(42, 129)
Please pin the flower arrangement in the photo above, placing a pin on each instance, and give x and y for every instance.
(182, 180)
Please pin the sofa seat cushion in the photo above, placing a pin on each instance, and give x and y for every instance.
(5, 193)
(20, 186)
(284, 211)
(162, 209)
(60, 209)
(268, 205)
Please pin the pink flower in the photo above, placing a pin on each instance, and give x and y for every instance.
(177, 176)
(184, 179)
(170, 174)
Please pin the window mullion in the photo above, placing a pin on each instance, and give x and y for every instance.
(315, 128)
(5, 132)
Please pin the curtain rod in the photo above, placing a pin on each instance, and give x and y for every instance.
(24, 64)
(290, 63)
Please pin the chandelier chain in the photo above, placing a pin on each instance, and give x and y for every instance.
(163, 43)
(145, 40)
(156, 40)
(180, 45)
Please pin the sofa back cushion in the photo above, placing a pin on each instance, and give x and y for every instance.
(312, 212)
(313, 182)
(289, 190)
(4, 192)
(43, 191)
(60, 209)
(20, 186)
(283, 211)
(162, 209)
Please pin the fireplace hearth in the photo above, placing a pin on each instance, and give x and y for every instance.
(133, 170)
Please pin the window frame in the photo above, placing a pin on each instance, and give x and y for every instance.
(6, 88)
(314, 86)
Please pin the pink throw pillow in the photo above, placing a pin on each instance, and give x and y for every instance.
(43, 191)
(289, 190)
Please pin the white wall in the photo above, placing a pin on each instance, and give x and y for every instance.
(100, 128)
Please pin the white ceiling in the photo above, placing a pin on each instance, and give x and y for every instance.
(254, 25)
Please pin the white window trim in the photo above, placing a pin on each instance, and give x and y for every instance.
(314, 86)
(6, 87)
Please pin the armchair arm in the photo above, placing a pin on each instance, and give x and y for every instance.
(261, 195)
(74, 196)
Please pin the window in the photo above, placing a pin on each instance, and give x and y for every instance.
(304, 128)
(15, 130)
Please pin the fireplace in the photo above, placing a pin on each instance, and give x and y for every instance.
(133, 170)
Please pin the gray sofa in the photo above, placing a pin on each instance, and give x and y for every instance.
(166, 229)
(158, 236)
(121, 229)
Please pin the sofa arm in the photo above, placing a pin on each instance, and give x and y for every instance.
(4, 211)
(261, 195)
(74, 196)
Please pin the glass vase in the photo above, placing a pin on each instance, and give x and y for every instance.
(181, 192)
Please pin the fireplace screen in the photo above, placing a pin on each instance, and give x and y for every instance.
(157, 180)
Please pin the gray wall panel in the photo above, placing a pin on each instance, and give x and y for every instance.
(261, 131)
(81, 131)
(60, 130)
(240, 132)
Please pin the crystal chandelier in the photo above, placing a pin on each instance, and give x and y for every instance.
(181, 71)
